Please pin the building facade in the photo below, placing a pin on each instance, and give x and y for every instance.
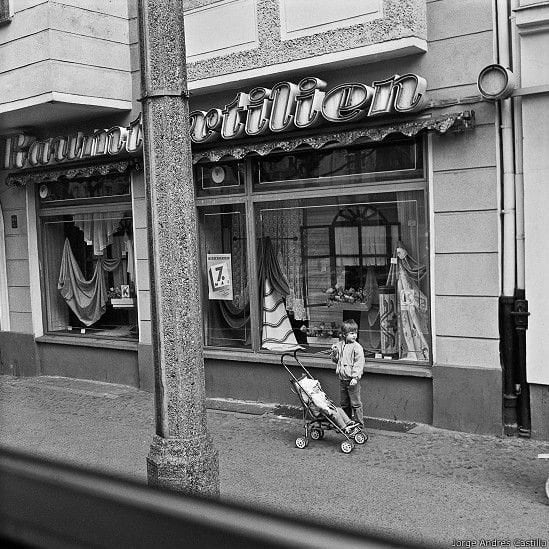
(345, 167)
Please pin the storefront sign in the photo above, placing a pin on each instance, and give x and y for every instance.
(288, 106)
(24, 151)
(220, 284)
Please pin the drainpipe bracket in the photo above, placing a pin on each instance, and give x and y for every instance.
(520, 314)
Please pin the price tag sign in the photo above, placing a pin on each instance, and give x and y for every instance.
(220, 283)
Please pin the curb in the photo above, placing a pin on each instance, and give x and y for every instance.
(241, 406)
(295, 412)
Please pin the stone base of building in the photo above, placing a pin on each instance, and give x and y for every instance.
(468, 399)
(18, 355)
(184, 465)
(399, 398)
(539, 406)
(111, 362)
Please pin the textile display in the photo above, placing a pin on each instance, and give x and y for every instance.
(236, 313)
(407, 206)
(374, 244)
(346, 246)
(412, 304)
(388, 320)
(98, 228)
(119, 251)
(86, 298)
(277, 333)
(130, 257)
(283, 227)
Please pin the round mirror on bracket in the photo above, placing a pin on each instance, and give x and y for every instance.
(496, 82)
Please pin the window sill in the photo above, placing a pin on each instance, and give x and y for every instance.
(373, 366)
(89, 342)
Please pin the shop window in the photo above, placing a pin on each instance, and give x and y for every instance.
(225, 276)
(322, 257)
(361, 257)
(88, 262)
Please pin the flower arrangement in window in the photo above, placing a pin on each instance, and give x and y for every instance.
(339, 294)
(114, 292)
(120, 294)
(368, 295)
(322, 330)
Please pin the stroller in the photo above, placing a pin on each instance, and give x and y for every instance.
(315, 420)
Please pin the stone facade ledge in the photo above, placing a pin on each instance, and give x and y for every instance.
(88, 342)
(383, 367)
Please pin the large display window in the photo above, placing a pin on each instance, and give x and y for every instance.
(87, 254)
(345, 246)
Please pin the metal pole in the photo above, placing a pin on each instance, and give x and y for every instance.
(182, 456)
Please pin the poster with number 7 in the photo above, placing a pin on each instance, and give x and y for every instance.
(220, 279)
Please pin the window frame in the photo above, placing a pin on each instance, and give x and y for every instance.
(251, 198)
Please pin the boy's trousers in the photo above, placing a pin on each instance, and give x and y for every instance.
(350, 400)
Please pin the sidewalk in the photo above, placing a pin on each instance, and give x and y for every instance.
(429, 485)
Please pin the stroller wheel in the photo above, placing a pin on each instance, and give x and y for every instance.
(301, 442)
(360, 437)
(346, 446)
(317, 434)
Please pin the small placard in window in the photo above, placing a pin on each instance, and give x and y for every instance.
(220, 285)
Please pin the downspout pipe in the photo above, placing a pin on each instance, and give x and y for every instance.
(520, 311)
(507, 298)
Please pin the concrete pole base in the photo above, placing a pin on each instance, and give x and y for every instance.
(184, 465)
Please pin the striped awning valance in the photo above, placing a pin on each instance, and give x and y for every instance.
(457, 121)
(45, 175)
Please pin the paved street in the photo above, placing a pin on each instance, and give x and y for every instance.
(429, 485)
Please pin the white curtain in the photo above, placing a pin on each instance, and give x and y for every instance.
(98, 228)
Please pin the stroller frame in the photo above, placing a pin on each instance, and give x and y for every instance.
(316, 423)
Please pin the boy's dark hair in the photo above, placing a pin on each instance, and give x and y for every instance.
(349, 326)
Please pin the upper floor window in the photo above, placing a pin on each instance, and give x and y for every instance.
(5, 12)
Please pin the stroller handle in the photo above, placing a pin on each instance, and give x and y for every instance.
(293, 354)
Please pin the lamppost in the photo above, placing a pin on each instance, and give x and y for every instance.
(182, 456)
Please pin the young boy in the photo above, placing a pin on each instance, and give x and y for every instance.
(348, 355)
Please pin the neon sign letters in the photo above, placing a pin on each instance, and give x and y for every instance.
(288, 106)
(24, 151)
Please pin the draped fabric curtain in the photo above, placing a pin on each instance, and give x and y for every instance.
(98, 228)
(413, 309)
(86, 298)
(236, 313)
(374, 244)
(277, 332)
(283, 227)
(407, 207)
(122, 248)
(56, 311)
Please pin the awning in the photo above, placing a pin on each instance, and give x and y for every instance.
(45, 175)
(458, 121)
